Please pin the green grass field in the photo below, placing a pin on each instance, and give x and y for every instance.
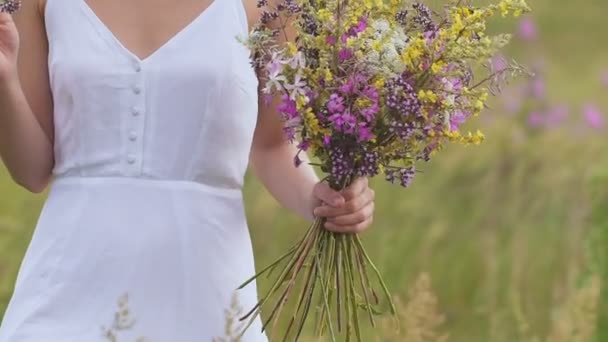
(503, 229)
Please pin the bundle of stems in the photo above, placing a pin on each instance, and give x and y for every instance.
(335, 269)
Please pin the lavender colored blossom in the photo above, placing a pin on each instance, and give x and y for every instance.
(537, 88)
(527, 29)
(364, 133)
(402, 96)
(404, 131)
(402, 175)
(335, 104)
(593, 116)
(345, 54)
(287, 108)
(401, 17)
(424, 17)
(341, 164)
(369, 166)
(536, 119)
(456, 119)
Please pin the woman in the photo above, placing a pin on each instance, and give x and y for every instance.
(143, 116)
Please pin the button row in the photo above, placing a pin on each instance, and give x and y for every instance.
(135, 112)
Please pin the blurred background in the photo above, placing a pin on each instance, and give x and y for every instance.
(501, 242)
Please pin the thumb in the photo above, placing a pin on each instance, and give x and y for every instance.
(328, 195)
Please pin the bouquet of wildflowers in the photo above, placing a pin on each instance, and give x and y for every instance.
(367, 87)
(9, 6)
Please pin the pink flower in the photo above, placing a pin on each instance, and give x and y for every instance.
(527, 29)
(537, 88)
(535, 119)
(593, 116)
(456, 119)
(499, 63)
(365, 134)
(331, 40)
(345, 54)
(335, 104)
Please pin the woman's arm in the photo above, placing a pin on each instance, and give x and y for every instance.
(26, 123)
(299, 189)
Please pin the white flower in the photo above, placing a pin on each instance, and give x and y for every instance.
(298, 61)
(297, 88)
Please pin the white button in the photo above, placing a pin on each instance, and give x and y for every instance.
(137, 68)
(132, 136)
(131, 159)
(136, 89)
(135, 111)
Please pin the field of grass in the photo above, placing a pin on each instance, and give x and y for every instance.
(505, 231)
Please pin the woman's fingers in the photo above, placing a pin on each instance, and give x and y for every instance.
(327, 195)
(355, 228)
(352, 206)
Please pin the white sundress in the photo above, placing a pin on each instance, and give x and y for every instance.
(146, 202)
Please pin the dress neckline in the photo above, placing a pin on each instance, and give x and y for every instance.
(105, 29)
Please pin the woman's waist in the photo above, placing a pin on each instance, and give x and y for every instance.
(125, 185)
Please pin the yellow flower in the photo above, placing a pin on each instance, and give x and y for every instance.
(292, 48)
(311, 121)
(437, 66)
(377, 45)
(379, 83)
(428, 95)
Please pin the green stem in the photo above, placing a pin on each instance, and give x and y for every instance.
(325, 301)
(257, 308)
(349, 270)
(378, 275)
(298, 266)
(329, 262)
(365, 284)
(309, 277)
(338, 261)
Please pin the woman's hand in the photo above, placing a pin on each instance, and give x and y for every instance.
(348, 211)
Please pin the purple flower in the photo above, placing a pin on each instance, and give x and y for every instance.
(362, 25)
(348, 87)
(402, 97)
(345, 54)
(456, 119)
(365, 134)
(290, 133)
(287, 108)
(536, 119)
(537, 88)
(331, 40)
(370, 112)
(335, 104)
(338, 120)
(304, 145)
(326, 140)
(403, 175)
(593, 116)
(350, 122)
(499, 63)
(527, 29)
